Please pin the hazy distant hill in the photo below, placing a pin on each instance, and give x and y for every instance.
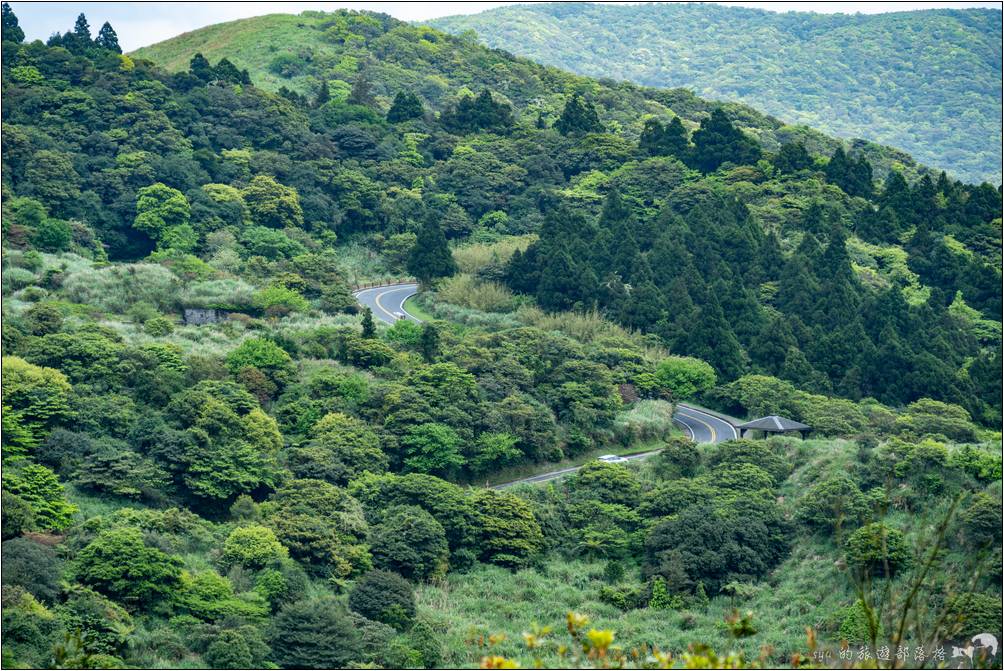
(928, 82)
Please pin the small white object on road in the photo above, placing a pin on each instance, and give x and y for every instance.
(611, 459)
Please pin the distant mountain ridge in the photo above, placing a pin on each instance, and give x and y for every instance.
(925, 81)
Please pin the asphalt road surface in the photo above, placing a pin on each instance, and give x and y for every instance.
(387, 302)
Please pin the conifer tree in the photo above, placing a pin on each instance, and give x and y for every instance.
(11, 30)
(578, 118)
(201, 68)
(81, 29)
(323, 94)
(108, 39)
(717, 141)
(428, 343)
(431, 258)
(369, 328)
(406, 106)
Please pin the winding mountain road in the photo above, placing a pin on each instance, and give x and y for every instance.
(387, 303)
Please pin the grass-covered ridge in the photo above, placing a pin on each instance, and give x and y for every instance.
(925, 81)
(298, 51)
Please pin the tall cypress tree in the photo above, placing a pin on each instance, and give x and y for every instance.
(82, 29)
(108, 39)
(406, 106)
(717, 142)
(578, 117)
(11, 29)
(431, 258)
(201, 68)
(323, 94)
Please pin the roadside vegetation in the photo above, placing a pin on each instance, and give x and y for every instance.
(213, 457)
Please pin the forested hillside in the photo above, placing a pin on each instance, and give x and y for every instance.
(212, 457)
(924, 81)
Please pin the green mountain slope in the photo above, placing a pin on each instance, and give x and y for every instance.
(926, 81)
(276, 481)
(296, 52)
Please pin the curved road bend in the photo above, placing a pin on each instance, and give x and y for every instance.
(386, 300)
(702, 427)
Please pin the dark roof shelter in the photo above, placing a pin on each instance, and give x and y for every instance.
(774, 424)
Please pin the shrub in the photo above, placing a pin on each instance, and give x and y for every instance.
(32, 566)
(253, 547)
(40, 489)
(410, 542)
(680, 458)
(878, 549)
(40, 396)
(263, 355)
(343, 448)
(972, 613)
(981, 522)
(509, 534)
(834, 502)
(859, 625)
(684, 377)
(121, 565)
(225, 294)
(313, 634)
(209, 596)
(384, 597)
(102, 625)
(465, 291)
(278, 300)
(18, 516)
(609, 483)
(930, 417)
(158, 327)
(762, 454)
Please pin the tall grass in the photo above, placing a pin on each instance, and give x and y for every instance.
(466, 291)
(475, 257)
(646, 420)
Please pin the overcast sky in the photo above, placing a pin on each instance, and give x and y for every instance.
(141, 23)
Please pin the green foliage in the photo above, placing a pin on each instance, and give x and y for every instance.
(578, 117)
(432, 448)
(41, 490)
(684, 377)
(262, 354)
(406, 106)
(102, 625)
(833, 503)
(119, 564)
(971, 613)
(253, 547)
(32, 566)
(159, 209)
(409, 541)
(878, 549)
(271, 203)
(609, 483)
(859, 624)
(38, 395)
(509, 534)
(430, 258)
(322, 526)
(234, 445)
(313, 634)
(18, 516)
(384, 597)
(209, 596)
(342, 448)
